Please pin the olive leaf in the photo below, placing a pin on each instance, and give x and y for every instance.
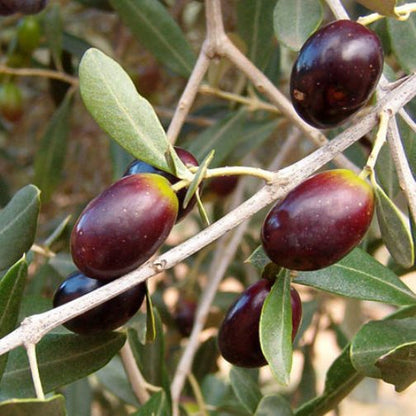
(112, 99)
(394, 230)
(18, 222)
(296, 20)
(384, 7)
(54, 405)
(276, 329)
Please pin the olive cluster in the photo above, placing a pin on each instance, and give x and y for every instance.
(325, 217)
(118, 231)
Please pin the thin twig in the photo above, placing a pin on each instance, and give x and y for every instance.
(34, 370)
(43, 73)
(337, 9)
(134, 375)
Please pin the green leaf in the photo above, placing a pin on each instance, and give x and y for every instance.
(150, 318)
(198, 178)
(402, 34)
(399, 367)
(78, 398)
(378, 338)
(53, 29)
(276, 329)
(157, 405)
(384, 7)
(111, 97)
(273, 405)
(386, 172)
(341, 378)
(296, 20)
(53, 406)
(205, 360)
(150, 358)
(258, 259)
(408, 137)
(255, 26)
(51, 154)
(394, 230)
(18, 221)
(245, 388)
(11, 293)
(62, 359)
(113, 378)
(155, 29)
(360, 276)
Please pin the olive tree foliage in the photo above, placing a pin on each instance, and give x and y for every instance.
(216, 84)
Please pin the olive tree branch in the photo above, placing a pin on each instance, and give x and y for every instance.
(34, 327)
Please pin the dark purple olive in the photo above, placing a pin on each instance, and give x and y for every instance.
(222, 186)
(335, 73)
(123, 226)
(105, 317)
(138, 166)
(319, 222)
(238, 337)
(184, 316)
(8, 7)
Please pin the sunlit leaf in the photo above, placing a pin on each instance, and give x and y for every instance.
(394, 230)
(276, 329)
(360, 276)
(245, 388)
(384, 7)
(62, 359)
(273, 405)
(52, 406)
(111, 97)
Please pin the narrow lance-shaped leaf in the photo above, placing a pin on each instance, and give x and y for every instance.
(155, 28)
(360, 276)
(18, 221)
(11, 293)
(51, 155)
(54, 405)
(394, 230)
(256, 28)
(341, 378)
(378, 338)
(245, 388)
(272, 405)
(111, 97)
(276, 329)
(296, 20)
(157, 405)
(402, 34)
(62, 359)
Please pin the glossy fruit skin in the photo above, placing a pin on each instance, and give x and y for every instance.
(123, 226)
(319, 222)
(238, 337)
(8, 7)
(11, 102)
(138, 166)
(106, 317)
(335, 73)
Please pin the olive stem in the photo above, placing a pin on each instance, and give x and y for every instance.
(253, 103)
(378, 144)
(406, 179)
(35, 72)
(402, 13)
(337, 9)
(34, 370)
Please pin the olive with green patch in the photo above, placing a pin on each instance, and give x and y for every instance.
(124, 226)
